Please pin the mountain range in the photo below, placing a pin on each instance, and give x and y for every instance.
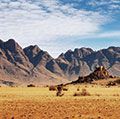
(33, 65)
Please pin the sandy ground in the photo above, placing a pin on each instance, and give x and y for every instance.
(40, 103)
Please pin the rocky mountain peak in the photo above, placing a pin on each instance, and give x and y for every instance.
(82, 52)
(32, 50)
(1, 44)
(76, 54)
(36, 55)
(12, 45)
(14, 53)
(114, 49)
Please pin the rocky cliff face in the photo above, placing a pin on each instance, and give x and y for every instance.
(72, 62)
(27, 65)
(12, 55)
(105, 57)
(36, 65)
(40, 58)
(85, 60)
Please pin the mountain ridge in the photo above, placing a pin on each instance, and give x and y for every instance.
(31, 64)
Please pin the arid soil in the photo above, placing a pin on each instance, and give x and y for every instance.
(40, 103)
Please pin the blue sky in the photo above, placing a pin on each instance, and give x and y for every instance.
(59, 25)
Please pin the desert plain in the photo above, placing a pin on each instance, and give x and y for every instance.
(40, 103)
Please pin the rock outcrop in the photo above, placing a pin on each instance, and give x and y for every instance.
(99, 73)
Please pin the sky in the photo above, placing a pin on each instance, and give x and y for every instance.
(59, 25)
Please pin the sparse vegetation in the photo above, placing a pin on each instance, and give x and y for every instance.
(12, 118)
(116, 95)
(31, 85)
(113, 83)
(83, 93)
(59, 94)
(97, 95)
(78, 89)
(77, 94)
(59, 90)
(40, 103)
(117, 81)
(52, 88)
(65, 89)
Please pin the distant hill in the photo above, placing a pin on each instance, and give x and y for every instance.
(33, 65)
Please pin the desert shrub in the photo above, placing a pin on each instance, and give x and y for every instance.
(111, 83)
(31, 85)
(77, 94)
(117, 81)
(78, 89)
(116, 95)
(12, 118)
(47, 86)
(65, 89)
(86, 86)
(97, 95)
(111, 76)
(114, 83)
(59, 94)
(52, 88)
(92, 86)
(84, 92)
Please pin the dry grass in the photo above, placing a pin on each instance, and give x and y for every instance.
(40, 103)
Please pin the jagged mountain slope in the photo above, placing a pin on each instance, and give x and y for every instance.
(32, 64)
(13, 58)
(72, 62)
(84, 60)
(22, 66)
(42, 58)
